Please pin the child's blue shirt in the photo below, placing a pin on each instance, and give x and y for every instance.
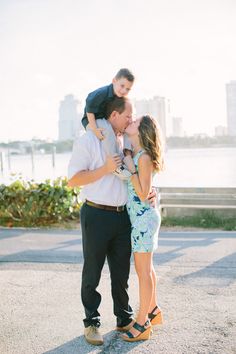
(96, 103)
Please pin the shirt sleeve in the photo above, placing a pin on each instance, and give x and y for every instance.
(94, 101)
(80, 158)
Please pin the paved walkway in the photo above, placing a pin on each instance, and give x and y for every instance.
(40, 309)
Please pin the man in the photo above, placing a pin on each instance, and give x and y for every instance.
(104, 221)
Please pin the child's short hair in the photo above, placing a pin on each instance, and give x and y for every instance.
(126, 73)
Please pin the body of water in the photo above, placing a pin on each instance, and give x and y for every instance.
(211, 167)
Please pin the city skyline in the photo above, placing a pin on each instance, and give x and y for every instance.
(181, 50)
(231, 107)
(70, 125)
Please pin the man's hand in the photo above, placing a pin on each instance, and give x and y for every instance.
(153, 197)
(112, 163)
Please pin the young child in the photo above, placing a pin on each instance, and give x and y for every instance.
(145, 136)
(95, 112)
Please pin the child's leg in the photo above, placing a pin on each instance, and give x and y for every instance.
(111, 147)
(127, 143)
(109, 143)
(127, 149)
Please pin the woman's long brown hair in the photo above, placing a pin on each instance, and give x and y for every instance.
(151, 141)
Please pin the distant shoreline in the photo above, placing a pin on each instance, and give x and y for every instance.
(15, 153)
(202, 147)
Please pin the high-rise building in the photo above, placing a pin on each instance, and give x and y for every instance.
(231, 107)
(177, 126)
(157, 107)
(69, 119)
(220, 130)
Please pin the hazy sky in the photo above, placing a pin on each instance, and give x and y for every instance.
(180, 49)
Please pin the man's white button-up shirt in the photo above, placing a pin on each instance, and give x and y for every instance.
(88, 154)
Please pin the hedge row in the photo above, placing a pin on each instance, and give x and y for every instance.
(27, 203)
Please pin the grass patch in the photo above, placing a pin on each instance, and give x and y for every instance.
(207, 220)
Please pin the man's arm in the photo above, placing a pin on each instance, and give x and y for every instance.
(82, 178)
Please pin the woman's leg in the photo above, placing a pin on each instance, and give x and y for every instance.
(153, 302)
(143, 262)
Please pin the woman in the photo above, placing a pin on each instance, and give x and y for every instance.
(145, 137)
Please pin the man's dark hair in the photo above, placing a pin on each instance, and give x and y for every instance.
(116, 104)
(126, 73)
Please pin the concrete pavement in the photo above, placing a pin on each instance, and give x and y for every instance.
(40, 309)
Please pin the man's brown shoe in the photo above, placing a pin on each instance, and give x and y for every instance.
(126, 328)
(93, 335)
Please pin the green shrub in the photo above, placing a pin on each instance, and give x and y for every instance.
(32, 204)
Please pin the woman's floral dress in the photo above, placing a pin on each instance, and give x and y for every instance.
(145, 220)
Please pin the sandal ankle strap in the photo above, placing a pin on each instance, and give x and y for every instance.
(151, 315)
(140, 328)
(155, 308)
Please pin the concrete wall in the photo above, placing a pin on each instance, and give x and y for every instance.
(191, 201)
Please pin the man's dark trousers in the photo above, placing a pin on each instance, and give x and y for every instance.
(105, 233)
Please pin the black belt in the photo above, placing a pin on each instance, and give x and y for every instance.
(106, 207)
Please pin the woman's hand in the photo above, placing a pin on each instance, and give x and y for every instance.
(129, 163)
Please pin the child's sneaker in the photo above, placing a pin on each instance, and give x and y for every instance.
(122, 173)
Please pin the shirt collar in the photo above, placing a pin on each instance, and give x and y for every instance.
(111, 92)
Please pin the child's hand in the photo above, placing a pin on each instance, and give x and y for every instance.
(98, 133)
